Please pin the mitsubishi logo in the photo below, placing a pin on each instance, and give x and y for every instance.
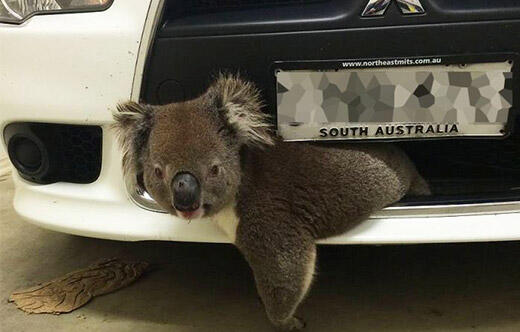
(378, 7)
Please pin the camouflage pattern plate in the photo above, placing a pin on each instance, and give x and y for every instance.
(404, 102)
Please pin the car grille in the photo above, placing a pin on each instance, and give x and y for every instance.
(470, 166)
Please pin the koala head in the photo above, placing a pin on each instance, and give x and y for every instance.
(188, 153)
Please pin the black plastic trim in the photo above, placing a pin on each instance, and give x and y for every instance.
(192, 61)
(70, 153)
(329, 15)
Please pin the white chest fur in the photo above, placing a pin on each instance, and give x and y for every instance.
(227, 220)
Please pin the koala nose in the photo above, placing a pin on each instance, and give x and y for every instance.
(186, 192)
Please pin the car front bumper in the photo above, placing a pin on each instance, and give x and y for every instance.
(74, 68)
(104, 210)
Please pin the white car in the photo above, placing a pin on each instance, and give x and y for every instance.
(65, 64)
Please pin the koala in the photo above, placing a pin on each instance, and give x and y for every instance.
(216, 157)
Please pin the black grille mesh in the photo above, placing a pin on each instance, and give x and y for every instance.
(80, 152)
(461, 166)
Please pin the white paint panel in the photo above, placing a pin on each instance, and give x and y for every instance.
(113, 217)
(70, 68)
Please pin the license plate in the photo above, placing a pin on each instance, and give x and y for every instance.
(398, 102)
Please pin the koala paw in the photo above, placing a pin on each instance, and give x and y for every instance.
(291, 324)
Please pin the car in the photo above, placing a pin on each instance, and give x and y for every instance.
(66, 64)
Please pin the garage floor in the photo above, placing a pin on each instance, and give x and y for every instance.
(200, 287)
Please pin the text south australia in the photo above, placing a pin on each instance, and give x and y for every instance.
(390, 130)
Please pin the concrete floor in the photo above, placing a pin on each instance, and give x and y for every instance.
(200, 287)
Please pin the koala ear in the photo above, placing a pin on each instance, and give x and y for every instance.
(240, 105)
(133, 123)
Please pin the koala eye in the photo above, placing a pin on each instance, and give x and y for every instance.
(214, 170)
(158, 172)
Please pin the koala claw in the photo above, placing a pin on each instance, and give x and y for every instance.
(300, 322)
(291, 324)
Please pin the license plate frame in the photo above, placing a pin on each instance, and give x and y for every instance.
(293, 129)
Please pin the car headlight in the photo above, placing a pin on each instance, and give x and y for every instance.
(17, 11)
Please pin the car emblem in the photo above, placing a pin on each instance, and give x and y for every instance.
(378, 7)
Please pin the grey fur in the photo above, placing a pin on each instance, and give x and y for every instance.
(133, 124)
(287, 195)
(239, 101)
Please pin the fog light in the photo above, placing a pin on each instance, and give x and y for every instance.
(26, 154)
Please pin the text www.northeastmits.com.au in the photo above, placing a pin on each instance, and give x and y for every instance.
(393, 62)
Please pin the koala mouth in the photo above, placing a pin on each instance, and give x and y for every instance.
(189, 215)
(195, 214)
